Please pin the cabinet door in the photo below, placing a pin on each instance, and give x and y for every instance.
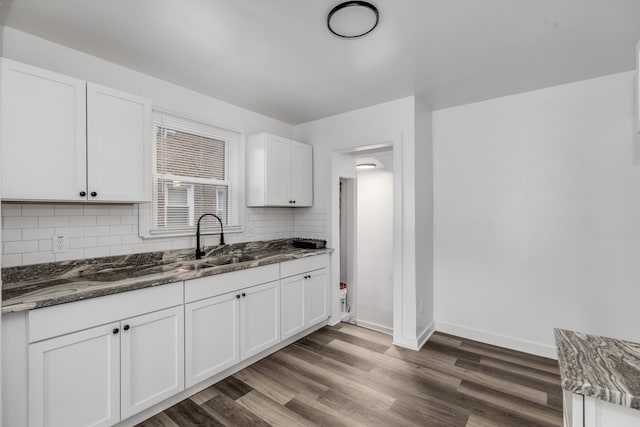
(317, 296)
(277, 171)
(292, 306)
(259, 318)
(212, 336)
(302, 174)
(43, 134)
(152, 359)
(118, 145)
(74, 380)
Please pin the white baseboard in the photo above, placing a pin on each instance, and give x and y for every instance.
(415, 343)
(426, 334)
(498, 339)
(375, 326)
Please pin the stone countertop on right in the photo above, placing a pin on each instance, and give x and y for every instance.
(603, 368)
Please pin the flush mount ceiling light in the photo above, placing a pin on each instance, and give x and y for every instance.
(366, 165)
(352, 19)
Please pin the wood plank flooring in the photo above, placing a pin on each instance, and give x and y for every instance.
(350, 376)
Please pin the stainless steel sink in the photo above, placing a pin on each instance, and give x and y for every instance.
(230, 259)
(215, 262)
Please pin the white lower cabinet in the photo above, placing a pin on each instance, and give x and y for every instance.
(212, 341)
(101, 375)
(152, 366)
(292, 313)
(223, 330)
(161, 341)
(317, 296)
(304, 299)
(259, 318)
(74, 380)
(585, 411)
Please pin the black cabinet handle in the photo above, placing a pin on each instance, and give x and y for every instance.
(238, 296)
(116, 330)
(126, 327)
(83, 193)
(290, 201)
(94, 194)
(294, 202)
(244, 295)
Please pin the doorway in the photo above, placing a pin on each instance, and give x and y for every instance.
(365, 214)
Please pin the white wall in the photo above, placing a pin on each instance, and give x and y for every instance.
(101, 230)
(424, 221)
(391, 122)
(537, 215)
(374, 302)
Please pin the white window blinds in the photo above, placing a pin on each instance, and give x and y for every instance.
(196, 170)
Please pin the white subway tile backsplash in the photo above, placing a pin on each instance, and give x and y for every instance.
(122, 210)
(11, 260)
(11, 234)
(45, 245)
(121, 250)
(96, 209)
(53, 221)
(130, 219)
(70, 231)
(83, 242)
(19, 221)
(103, 230)
(96, 252)
(98, 230)
(37, 210)
(109, 241)
(37, 257)
(10, 209)
(132, 240)
(37, 233)
(69, 210)
(72, 254)
(109, 220)
(119, 230)
(20, 247)
(82, 221)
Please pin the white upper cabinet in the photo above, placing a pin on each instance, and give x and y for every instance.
(279, 172)
(63, 139)
(43, 134)
(118, 148)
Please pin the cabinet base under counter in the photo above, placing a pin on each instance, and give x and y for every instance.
(584, 411)
(15, 373)
(138, 418)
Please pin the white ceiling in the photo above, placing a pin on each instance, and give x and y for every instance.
(276, 57)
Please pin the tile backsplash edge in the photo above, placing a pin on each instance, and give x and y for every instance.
(105, 230)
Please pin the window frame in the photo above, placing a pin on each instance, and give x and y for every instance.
(146, 212)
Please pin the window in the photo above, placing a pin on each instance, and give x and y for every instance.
(196, 170)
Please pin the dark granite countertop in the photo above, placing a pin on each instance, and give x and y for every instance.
(604, 368)
(43, 285)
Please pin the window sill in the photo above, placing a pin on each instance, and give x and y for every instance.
(160, 235)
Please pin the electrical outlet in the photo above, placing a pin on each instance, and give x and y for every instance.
(60, 243)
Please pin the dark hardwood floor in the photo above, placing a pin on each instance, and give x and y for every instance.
(350, 376)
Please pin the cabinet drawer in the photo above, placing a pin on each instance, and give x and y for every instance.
(61, 319)
(303, 265)
(205, 287)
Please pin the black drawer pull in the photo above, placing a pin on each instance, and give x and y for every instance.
(126, 327)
